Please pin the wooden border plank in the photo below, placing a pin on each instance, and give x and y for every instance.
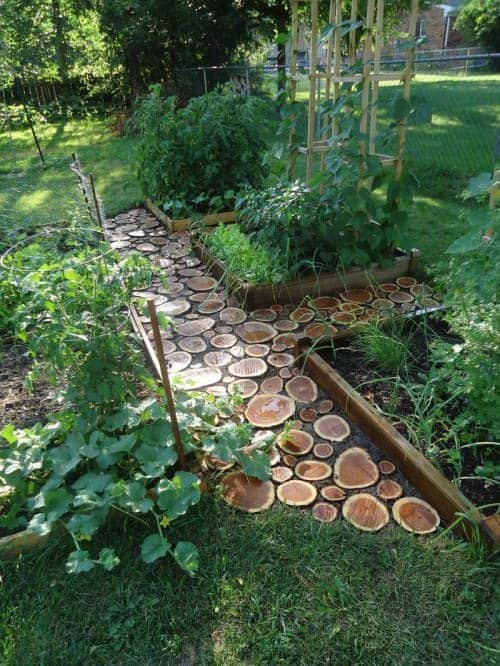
(182, 224)
(433, 486)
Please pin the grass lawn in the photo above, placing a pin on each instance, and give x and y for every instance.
(273, 589)
(36, 196)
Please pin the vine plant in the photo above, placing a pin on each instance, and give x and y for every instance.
(106, 451)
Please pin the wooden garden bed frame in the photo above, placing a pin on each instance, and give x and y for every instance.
(184, 224)
(434, 487)
(254, 296)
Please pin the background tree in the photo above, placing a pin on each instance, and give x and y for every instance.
(479, 22)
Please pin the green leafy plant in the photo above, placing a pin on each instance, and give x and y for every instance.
(388, 347)
(199, 153)
(107, 451)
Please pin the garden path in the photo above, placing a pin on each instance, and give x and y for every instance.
(215, 346)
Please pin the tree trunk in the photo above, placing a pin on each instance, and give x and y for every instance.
(61, 43)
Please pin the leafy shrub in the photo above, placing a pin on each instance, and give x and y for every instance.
(470, 286)
(191, 155)
(106, 451)
(317, 229)
(242, 257)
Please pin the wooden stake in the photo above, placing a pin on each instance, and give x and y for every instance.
(328, 79)
(352, 34)
(166, 382)
(96, 203)
(407, 77)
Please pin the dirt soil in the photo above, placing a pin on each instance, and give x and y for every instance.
(350, 364)
(17, 405)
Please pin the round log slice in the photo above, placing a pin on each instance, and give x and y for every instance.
(280, 360)
(386, 467)
(382, 304)
(421, 290)
(285, 339)
(365, 512)
(285, 325)
(178, 361)
(332, 427)
(325, 513)
(323, 450)
(325, 406)
(233, 316)
(387, 489)
(388, 287)
(295, 442)
(289, 460)
(217, 359)
(296, 493)
(281, 474)
(333, 493)
(211, 305)
(256, 332)
(308, 414)
(319, 330)
(313, 470)
(191, 380)
(302, 315)
(343, 318)
(351, 307)
(196, 327)
(406, 282)
(259, 351)
(285, 373)
(415, 515)
(268, 410)
(248, 367)
(326, 302)
(223, 340)
(302, 389)
(201, 283)
(246, 493)
(272, 385)
(174, 308)
(246, 388)
(264, 314)
(401, 297)
(355, 469)
(356, 295)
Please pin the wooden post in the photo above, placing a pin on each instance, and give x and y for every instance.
(407, 77)
(352, 34)
(293, 84)
(365, 95)
(376, 71)
(205, 81)
(328, 73)
(166, 383)
(96, 203)
(313, 69)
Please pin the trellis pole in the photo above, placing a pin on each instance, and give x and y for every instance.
(313, 69)
(365, 95)
(376, 71)
(352, 34)
(328, 81)
(407, 77)
(293, 84)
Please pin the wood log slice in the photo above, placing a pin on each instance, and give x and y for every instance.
(246, 493)
(296, 493)
(365, 512)
(415, 515)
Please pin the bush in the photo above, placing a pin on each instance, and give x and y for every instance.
(195, 155)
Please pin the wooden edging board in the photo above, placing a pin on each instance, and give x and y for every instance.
(434, 487)
(184, 223)
(254, 296)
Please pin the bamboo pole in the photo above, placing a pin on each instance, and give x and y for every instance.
(365, 95)
(337, 62)
(313, 68)
(293, 85)
(166, 383)
(352, 34)
(328, 78)
(407, 77)
(376, 71)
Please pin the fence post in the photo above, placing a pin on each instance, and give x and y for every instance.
(467, 62)
(205, 82)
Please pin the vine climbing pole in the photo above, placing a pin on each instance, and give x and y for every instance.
(341, 73)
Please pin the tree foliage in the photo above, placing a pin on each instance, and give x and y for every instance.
(479, 21)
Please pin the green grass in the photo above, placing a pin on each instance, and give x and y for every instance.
(273, 589)
(38, 196)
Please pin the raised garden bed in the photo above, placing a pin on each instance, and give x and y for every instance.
(183, 224)
(429, 481)
(254, 296)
